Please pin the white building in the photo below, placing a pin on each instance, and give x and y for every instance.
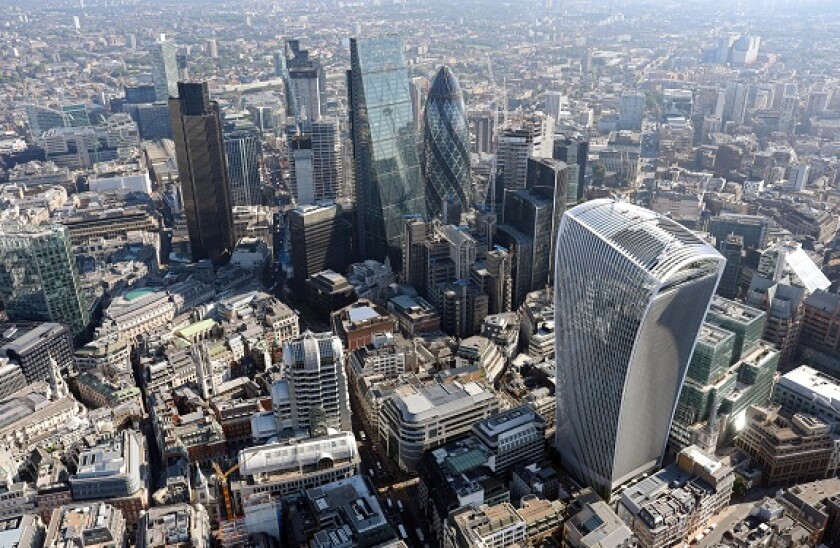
(421, 417)
(806, 390)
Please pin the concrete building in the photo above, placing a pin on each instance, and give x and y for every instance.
(321, 238)
(40, 351)
(806, 390)
(516, 436)
(348, 513)
(96, 524)
(317, 382)
(25, 531)
(496, 526)
(358, 323)
(670, 506)
(788, 448)
(178, 525)
(421, 417)
(592, 523)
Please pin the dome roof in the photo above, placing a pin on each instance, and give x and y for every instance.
(444, 84)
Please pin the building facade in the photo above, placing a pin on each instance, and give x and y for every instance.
(636, 287)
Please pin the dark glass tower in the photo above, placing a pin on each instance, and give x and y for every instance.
(243, 150)
(446, 144)
(197, 132)
(388, 181)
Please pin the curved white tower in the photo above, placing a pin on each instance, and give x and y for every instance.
(631, 291)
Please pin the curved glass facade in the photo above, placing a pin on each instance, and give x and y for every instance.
(388, 180)
(446, 143)
(631, 291)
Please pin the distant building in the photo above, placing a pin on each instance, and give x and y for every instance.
(752, 228)
(165, 70)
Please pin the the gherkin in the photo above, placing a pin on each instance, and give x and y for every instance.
(446, 140)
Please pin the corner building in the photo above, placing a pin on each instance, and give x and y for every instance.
(632, 289)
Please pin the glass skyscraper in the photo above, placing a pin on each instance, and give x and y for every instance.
(165, 70)
(388, 181)
(38, 276)
(632, 289)
(197, 132)
(446, 143)
(243, 149)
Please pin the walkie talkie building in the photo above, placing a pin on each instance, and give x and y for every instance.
(631, 291)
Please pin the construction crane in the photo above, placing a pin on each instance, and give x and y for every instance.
(223, 479)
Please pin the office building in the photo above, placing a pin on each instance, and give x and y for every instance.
(321, 238)
(806, 390)
(446, 144)
(116, 471)
(305, 78)
(388, 179)
(164, 70)
(327, 158)
(203, 172)
(752, 228)
(42, 119)
(667, 508)
(574, 151)
(788, 448)
(418, 418)
(348, 513)
(39, 279)
(92, 524)
(732, 249)
(485, 527)
(22, 531)
(41, 350)
(592, 523)
(613, 420)
(180, 525)
(746, 322)
(317, 382)
(515, 436)
(482, 127)
(631, 111)
(821, 321)
(524, 138)
(243, 154)
(287, 467)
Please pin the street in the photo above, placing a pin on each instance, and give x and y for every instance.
(392, 484)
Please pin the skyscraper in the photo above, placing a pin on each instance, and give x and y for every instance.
(197, 133)
(388, 181)
(446, 143)
(38, 276)
(632, 290)
(317, 383)
(321, 238)
(165, 70)
(306, 92)
(327, 162)
(243, 149)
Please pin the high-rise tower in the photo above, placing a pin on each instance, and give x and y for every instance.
(197, 133)
(243, 150)
(388, 181)
(165, 70)
(446, 143)
(632, 289)
(38, 276)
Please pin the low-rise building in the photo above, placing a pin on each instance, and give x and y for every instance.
(515, 436)
(23, 531)
(94, 524)
(420, 417)
(495, 526)
(289, 467)
(592, 523)
(177, 525)
(359, 322)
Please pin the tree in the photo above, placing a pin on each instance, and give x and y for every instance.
(739, 488)
(598, 173)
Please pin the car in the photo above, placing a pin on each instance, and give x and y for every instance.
(378, 465)
(370, 472)
(362, 435)
(400, 505)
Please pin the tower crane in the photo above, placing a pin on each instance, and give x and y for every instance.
(223, 479)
